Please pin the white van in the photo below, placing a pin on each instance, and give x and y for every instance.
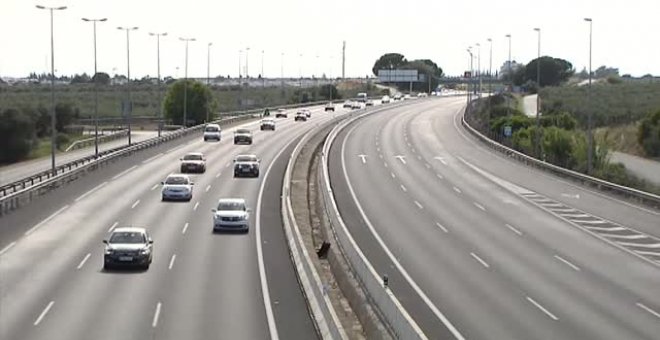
(362, 97)
(212, 131)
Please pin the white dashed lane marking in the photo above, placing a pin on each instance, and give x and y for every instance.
(441, 227)
(480, 260)
(538, 305)
(185, 227)
(403, 188)
(43, 313)
(82, 263)
(566, 262)
(649, 310)
(514, 229)
(457, 190)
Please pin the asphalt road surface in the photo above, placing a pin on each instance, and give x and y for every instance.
(478, 246)
(200, 285)
(17, 171)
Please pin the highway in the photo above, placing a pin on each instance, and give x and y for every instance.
(477, 246)
(17, 171)
(200, 285)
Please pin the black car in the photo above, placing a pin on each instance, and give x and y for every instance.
(300, 116)
(330, 107)
(246, 165)
(128, 247)
(243, 136)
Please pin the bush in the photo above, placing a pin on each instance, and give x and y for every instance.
(648, 135)
(62, 141)
(516, 123)
(557, 146)
(199, 101)
(17, 135)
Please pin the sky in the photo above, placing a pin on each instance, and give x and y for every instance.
(625, 35)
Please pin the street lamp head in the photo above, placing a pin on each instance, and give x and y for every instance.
(85, 19)
(60, 8)
(489, 40)
(103, 19)
(537, 29)
(587, 19)
(40, 7)
(508, 36)
(210, 44)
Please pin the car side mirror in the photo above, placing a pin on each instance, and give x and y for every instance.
(192, 183)
(162, 183)
(180, 159)
(248, 210)
(105, 241)
(214, 210)
(151, 241)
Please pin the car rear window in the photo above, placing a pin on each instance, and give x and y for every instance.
(192, 157)
(127, 237)
(176, 180)
(242, 131)
(246, 158)
(211, 129)
(234, 206)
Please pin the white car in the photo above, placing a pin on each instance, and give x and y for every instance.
(385, 100)
(231, 214)
(177, 187)
(407, 97)
(212, 131)
(422, 95)
(369, 103)
(267, 124)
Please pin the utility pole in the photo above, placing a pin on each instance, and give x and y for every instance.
(538, 97)
(510, 75)
(590, 136)
(343, 60)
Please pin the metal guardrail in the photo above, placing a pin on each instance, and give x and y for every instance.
(638, 195)
(90, 141)
(394, 314)
(323, 313)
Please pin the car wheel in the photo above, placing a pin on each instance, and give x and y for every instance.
(183, 171)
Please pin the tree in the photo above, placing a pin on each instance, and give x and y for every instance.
(554, 71)
(200, 99)
(329, 92)
(648, 134)
(16, 135)
(80, 79)
(389, 61)
(101, 78)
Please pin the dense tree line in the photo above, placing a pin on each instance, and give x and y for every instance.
(430, 71)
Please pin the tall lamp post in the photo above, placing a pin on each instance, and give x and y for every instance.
(490, 73)
(129, 105)
(538, 97)
(208, 75)
(160, 95)
(96, 90)
(240, 64)
(282, 70)
(263, 78)
(185, 83)
(247, 62)
(590, 136)
(52, 86)
(510, 73)
(469, 92)
(479, 67)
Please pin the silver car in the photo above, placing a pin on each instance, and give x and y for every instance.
(128, 247)
(177, 187)
(193, 162)
(232, 214)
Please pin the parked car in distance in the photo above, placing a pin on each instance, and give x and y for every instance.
(347, 104)
(330, 107)
(177, 187)
(300, 116)
(212, 132)
(385, 100)
(281, 113)
(246, 165)
(267, 124)
(242, 136)
(231, 214)
(193, 162)
(369, 103)
(128, 247)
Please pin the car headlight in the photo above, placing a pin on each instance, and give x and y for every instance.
(243, 218)
(144, 251)
(108, 251)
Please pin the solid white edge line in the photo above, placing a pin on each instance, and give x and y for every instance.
(171, 261)
(445, 321)
(185, 227)
(480, 260)
(38, 225)
(43, 313)
(196, 206)
(154, 323)
(441, 227)
(6, 249)
(91, 191)
(566, 262)
(113, 226)
(135, 204)
(648, 309)
(124, 172)
(82, 263)
(538, 305)
(512, 228)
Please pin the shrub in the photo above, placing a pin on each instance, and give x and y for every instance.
(648, 135)
(16, 135)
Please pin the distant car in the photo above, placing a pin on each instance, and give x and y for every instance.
(330, 107)
(369, 103)
(347, 104)
(407, 97)
(242, 136)
(177, 187)
(308, 113)
(212, 131)
(385, 100)
(281, 113)
(128, 247)
(193, 162)
(246, 165)
(231, 214)
(300, 116)
(267, 124)
(397, 96)
(356, 105)
(422, 95)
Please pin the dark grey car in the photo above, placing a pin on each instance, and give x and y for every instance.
(128, 247)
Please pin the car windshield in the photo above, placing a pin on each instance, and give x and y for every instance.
(232, 206)
(127, 237)
(211, 129)
(246, 158)
(176, 180)
(193, 157)
(242, 131)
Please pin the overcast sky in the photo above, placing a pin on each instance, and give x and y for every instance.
(626, 34)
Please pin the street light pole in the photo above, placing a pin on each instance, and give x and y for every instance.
(479, 67)
(247, 62)
(240, 64)
(160, 95)
(300, 68)
(185, 83)
(538, 97)
(96, 91)
(490, 75)
(129, 105)
(282, 70)
(263, 78)
(510, 74)
(469, 92)
(52, 86)
(590, 136)
(208, 75)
